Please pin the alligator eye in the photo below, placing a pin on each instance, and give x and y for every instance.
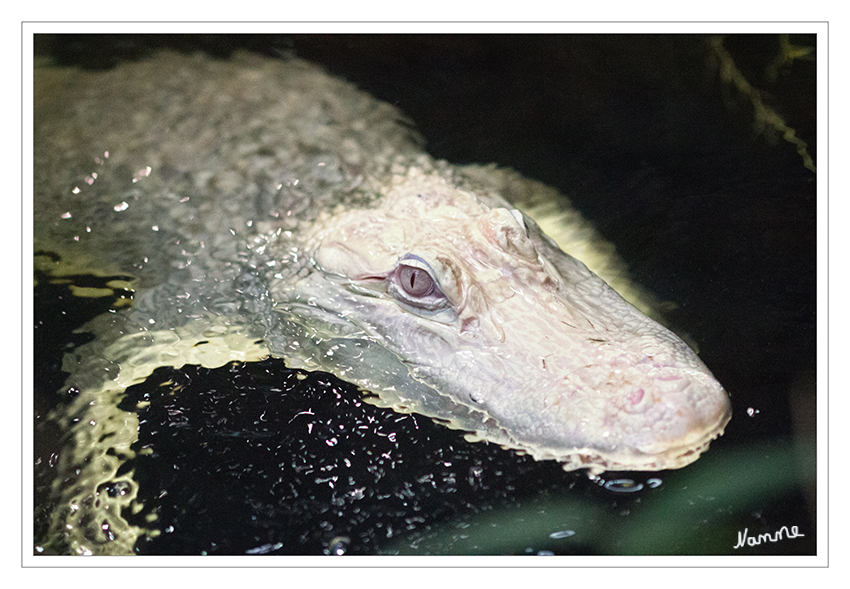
(415, 288)
(415, 281)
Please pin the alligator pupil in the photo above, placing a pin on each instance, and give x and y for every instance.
(415, 281)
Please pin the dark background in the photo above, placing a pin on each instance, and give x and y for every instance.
(713, 215)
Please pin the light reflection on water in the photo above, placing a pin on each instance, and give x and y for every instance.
(759, 476)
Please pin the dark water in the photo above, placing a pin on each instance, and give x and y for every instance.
(713, 217)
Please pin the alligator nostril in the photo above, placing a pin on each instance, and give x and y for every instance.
(637, 401)
(673, 384)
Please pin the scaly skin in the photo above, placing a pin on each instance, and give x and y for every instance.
(261, 207)
(545, 355)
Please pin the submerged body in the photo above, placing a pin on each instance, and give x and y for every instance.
(264, 207)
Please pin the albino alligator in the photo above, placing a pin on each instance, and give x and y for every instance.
(262, 207)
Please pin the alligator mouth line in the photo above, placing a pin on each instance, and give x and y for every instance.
(270, 189)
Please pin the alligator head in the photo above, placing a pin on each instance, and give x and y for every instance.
(454, 305)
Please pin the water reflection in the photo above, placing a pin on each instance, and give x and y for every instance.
(716, 221)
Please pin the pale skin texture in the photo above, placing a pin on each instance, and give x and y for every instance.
(262, 207)
(547, 357)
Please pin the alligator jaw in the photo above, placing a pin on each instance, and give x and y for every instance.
(521, 343)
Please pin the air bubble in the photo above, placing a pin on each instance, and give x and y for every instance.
(623, 486)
